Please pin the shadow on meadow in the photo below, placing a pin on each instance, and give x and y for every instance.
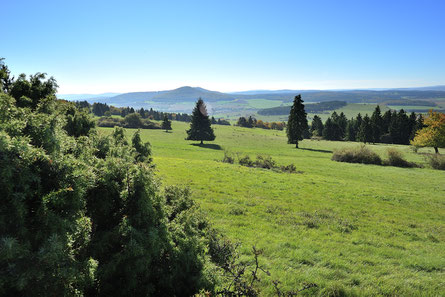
(316, 150)
(208, 145)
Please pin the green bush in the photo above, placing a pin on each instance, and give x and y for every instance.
(228, 158)
(288, 168)
(395, 158)
(246, 161)
(359, 154)
(265, 162)
(437, 162)
(132, 120)
(87, 212)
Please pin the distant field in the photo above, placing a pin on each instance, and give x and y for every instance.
(352, 229)
(264, 103)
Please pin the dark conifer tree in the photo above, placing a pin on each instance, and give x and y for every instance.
(200, 127)
(317, 126)
(342, 122)
(166, 123)
(386, 121)
(251, 122)
(412, 123)
(365, 132)
(350, 130)
(297, 122)
(404, 127)
(329, 130)
(358, 122)
(376, 124)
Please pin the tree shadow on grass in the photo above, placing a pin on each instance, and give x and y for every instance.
(208, 145)
(315, 150)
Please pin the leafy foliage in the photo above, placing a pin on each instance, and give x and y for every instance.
(433, 134)
(82, 213)
(131, 120)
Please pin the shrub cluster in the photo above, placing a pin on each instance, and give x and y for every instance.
(228, 158)
(360, 154)
(364, 155)
(82, 213)
(437, 162)
(395, 158)
(132, 120)
(265, 162)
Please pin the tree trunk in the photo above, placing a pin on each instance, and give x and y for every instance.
(296, 144)
(436, 149)
(202, 142)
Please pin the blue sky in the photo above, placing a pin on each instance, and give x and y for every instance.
(123, 46)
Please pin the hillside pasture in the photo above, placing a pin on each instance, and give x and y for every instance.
(352, 229)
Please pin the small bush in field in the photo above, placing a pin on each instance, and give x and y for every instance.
(437, 162)
(264, 162)
(395, 158)
(288, 168)
(246, 161)
(359, 154)
(228, 158)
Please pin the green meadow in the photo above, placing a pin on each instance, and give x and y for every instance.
(351, 229)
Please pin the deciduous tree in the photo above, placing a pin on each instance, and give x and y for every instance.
(433, 134)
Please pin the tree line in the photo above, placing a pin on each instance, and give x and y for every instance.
(251, 122)
(396, 127)
(392, 127)
(103, 109)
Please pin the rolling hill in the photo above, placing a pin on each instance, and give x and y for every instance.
(249, 102)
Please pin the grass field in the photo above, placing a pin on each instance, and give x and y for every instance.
(352, 229)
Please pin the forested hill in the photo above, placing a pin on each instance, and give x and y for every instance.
(310, 108)
(190, 94)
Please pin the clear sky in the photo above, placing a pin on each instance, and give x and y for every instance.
(123, 46)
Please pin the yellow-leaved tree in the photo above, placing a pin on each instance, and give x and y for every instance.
(433, 134)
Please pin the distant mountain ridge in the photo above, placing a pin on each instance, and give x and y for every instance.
(190, 94)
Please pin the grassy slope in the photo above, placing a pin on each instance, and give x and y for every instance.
(367, 229)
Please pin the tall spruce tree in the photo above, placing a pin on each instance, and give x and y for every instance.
(376, 124)
(166, 123)
(329, 130)
(365, 132)
(297, 122)
(350, 130)
(317, 126)
(386, 121)
(200, 127)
